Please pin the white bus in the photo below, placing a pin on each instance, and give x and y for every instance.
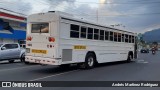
(56, 38)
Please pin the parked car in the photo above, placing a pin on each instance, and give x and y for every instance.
(11, 51)
(144, 50)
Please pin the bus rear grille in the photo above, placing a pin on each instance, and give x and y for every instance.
(66, 55)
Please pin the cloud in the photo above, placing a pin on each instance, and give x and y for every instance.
(16, 5)
(139, 22)
(60, 5)
(134, 15)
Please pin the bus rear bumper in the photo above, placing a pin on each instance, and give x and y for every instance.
(40, 60)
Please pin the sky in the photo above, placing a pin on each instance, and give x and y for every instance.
(132, 15)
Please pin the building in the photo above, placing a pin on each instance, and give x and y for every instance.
(12, 27)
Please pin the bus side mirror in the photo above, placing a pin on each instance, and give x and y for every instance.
(3, 48)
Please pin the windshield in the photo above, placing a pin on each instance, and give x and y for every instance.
(40, 28)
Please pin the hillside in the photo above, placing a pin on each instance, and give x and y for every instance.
(152, 36)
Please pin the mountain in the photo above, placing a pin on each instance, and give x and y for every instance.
(152, 36)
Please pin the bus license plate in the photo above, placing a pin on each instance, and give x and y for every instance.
(39, 51)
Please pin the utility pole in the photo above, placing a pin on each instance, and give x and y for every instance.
(97, 14)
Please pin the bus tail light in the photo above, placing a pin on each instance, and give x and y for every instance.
(29, 38)
(51, 39)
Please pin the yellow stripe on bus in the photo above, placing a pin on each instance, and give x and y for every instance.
(39, 51)
(79, 47)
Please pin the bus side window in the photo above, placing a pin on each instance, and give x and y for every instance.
(130, 39)
(115, 36)
(126, 38)
(90, 33)
(119, 37)
(133, 39)
(106, 35)
(96, 34)
(101, 34)
(123, 38)
(111, 36)
(83, 32)
(74, 33)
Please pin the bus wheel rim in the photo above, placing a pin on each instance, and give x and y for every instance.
(90, 61)
(130, 57)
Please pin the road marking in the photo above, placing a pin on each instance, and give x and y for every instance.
(6, 62)
(145, 62)
(53, 75)
(141, 61)
(16, 68)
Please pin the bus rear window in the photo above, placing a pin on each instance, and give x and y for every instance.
(40, 28)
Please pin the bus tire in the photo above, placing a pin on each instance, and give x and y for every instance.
(64, 66)
(130, 57)
(90, 61)
(22, 58)
(11, 61)
(26, 63)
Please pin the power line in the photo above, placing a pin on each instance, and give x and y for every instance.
(87, 15)
(12, 11)
(73, 12)
(117, 15)
(7, 9)
(116, 2)
(62, 7)
(13, 3)
(4, 3)
(128, 14)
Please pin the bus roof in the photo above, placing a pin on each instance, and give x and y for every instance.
(70, 17)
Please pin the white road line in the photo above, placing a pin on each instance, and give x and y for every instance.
(140, 60)
(53, 75)
(16, 68)
(6, 61)
(145, 62)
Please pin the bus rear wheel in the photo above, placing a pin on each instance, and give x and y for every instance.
(130, 57)
(11, 61)
(22, 58)
(64, 66)
(90, 61)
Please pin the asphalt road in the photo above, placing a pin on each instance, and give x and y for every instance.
(145, 68)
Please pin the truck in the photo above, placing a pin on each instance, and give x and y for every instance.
(11, 51)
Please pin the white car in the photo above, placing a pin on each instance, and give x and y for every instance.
(11, 51)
